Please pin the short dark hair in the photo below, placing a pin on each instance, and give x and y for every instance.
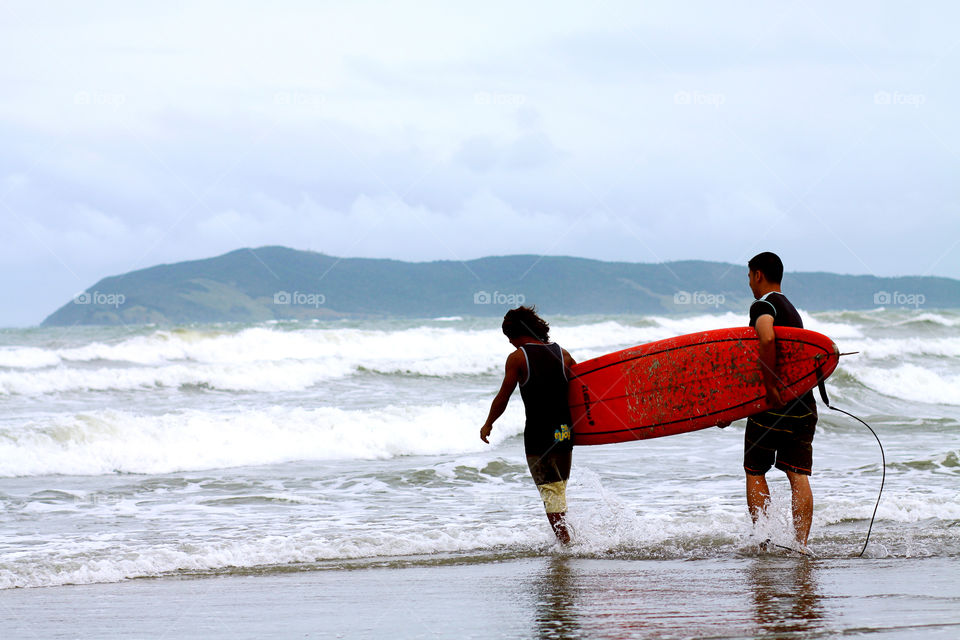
(770, 264)
(524, 321)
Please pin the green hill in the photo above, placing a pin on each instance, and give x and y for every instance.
(250, 285)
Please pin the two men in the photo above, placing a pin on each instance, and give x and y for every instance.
(781, 436)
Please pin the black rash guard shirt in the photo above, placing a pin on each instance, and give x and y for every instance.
(784, 315)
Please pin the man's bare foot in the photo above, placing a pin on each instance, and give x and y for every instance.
(559, 523)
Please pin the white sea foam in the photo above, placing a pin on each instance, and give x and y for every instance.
(269, 344)
(267, 376)
(255, 344)
(692, 324)
(27, 358)
(109, 441)
(256, 359)
(895, 506)
(271, 359)
(834, 330)
(264, 359)
(897, 348)
(933, 318)
(589, 341)
(86, 565)
(911, 383)
(602, 521)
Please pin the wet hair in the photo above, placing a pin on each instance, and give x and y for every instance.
(770, 264)
(524, 321)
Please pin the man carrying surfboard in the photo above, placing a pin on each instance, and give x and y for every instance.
(783, 435)
(541, 368)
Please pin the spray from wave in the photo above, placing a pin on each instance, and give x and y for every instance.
(113, 441)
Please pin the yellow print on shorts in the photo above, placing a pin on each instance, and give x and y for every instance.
(561, 434)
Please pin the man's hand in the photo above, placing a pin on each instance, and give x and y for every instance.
(511, 377)
(773, 398)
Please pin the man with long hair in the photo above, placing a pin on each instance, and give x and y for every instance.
(541, 369)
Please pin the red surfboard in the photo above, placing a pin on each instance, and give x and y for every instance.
(689, 382)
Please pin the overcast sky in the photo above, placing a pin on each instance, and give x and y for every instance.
(133, 134)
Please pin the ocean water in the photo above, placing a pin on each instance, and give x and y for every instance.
(130, 452)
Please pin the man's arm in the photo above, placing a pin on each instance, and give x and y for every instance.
(768, 358)
(511, 377)
(568, 362)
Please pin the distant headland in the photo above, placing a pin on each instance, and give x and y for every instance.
(275, 283)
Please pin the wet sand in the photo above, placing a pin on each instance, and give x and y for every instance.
(546, 597)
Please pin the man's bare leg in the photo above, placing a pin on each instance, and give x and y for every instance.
(559, 523)
(802, 503)
(758, 496)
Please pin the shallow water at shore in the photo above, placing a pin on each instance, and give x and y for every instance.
(552, 596)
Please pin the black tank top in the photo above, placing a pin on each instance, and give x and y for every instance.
(544, 394)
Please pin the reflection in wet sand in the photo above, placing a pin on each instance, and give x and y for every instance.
(577, 598)
(556, 601)
(761, 597)
(786, 598)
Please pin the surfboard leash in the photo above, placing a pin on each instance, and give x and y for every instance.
(883, 457)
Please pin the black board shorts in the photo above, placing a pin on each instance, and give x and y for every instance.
(784, 441)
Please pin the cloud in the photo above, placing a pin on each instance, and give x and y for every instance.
(134, 135)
